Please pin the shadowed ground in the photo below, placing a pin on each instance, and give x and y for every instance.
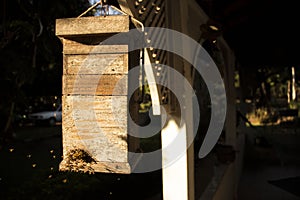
(29, 170)
(272, 164)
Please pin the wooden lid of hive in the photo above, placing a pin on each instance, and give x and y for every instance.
(98, 25)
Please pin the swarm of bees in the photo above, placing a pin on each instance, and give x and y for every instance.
(79, 160)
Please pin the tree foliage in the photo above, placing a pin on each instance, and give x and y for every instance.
(30, 53)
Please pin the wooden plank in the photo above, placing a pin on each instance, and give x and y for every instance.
(96, 64)
(77, 47)
(98, 125)
(95, 84)
(86, 111)
(106, 167)
(174, 160)
(90, 130)
(105, 145)
(92, 25)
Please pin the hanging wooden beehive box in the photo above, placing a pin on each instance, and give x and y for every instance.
(95, 101)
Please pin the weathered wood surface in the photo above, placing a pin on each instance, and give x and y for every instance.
(103, 73)
(76, 47)
(95, 84)
(92, 25)
(108, 167)
(96, 64)
(107, 111)
(97, 125)
(95, 87)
